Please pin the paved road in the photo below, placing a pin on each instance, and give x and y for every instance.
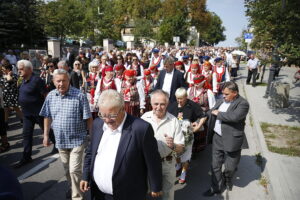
(46, 180)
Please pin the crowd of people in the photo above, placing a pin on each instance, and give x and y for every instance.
(141, 115)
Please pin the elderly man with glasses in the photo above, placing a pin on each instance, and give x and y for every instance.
(123, 154)
(67, 110)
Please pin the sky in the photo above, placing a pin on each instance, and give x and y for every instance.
(232, 13)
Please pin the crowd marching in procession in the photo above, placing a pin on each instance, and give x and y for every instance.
(125, 122)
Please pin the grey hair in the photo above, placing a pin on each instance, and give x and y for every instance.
(161, 92)
(231, 86)
(181, 92)
(110, 98)
(27, 64)
(61, 72)
(92, 64)
(169, 60)
(62, 63)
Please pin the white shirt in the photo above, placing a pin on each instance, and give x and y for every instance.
(169, 126)
(106, 156)
(215, 82)
(253, 63)
(223, 108)
(168, 82)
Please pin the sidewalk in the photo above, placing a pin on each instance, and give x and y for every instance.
(282, 172)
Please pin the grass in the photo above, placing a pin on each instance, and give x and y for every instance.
(286, 151)
(282, 139)
(263, 181)
(261, 84)
(251, 120)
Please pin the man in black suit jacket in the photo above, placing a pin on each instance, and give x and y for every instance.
(123, 154)
(226, 129)
(170, 79)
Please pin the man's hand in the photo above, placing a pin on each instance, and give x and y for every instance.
(84, 186)
(169, 141)
(142, 111)
(156, 194)
(215, 112)
(46, 141)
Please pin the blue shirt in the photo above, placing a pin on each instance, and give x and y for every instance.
(68, 114)
(31, 95)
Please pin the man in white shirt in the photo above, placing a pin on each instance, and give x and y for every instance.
(170, 139)
(170, 79)
(252, 65)
(226, 129)
(123, 154)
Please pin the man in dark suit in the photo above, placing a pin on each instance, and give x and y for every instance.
(226, 127)
(123, 154)
(70, 57)
(170, 79)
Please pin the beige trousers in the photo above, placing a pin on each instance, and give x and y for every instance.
(169, 177)
(72, 162)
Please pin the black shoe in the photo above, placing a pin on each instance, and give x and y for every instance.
(247, 83)
(210, 193)
(6, 126)
(54, 150)
(228, 185)
(22, 163)
(69, 194)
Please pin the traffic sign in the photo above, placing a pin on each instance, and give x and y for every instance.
(248, 36)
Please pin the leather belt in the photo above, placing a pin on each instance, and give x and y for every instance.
(167, 158)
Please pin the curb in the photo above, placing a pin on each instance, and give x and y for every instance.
(261, 145)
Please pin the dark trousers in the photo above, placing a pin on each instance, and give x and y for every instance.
(252, 73)
(2, 123)
(220, 157)
(28, 128)
(96, 194)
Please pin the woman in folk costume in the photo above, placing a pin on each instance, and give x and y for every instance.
(107, 82)
(206, 71)
(179, 66)
(219, 77)
(206, 99)
(119, 72)
(147, 83)
(137, 67)
(156, 59)
(133, 94)
(92, 79)
(192, 73)
(104, 63)
(154, 74)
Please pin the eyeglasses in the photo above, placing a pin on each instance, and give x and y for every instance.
(112, 117)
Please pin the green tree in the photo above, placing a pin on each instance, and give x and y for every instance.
(241, 41)
(63, 18)
(20, 23)
(276, 26)
(214, 33)
(174, 21)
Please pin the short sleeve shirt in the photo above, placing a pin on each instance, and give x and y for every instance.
(69, 114)
(170, 126)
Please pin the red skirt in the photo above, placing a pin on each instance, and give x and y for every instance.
(148, 106)
(199, 140)
(132, 110)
